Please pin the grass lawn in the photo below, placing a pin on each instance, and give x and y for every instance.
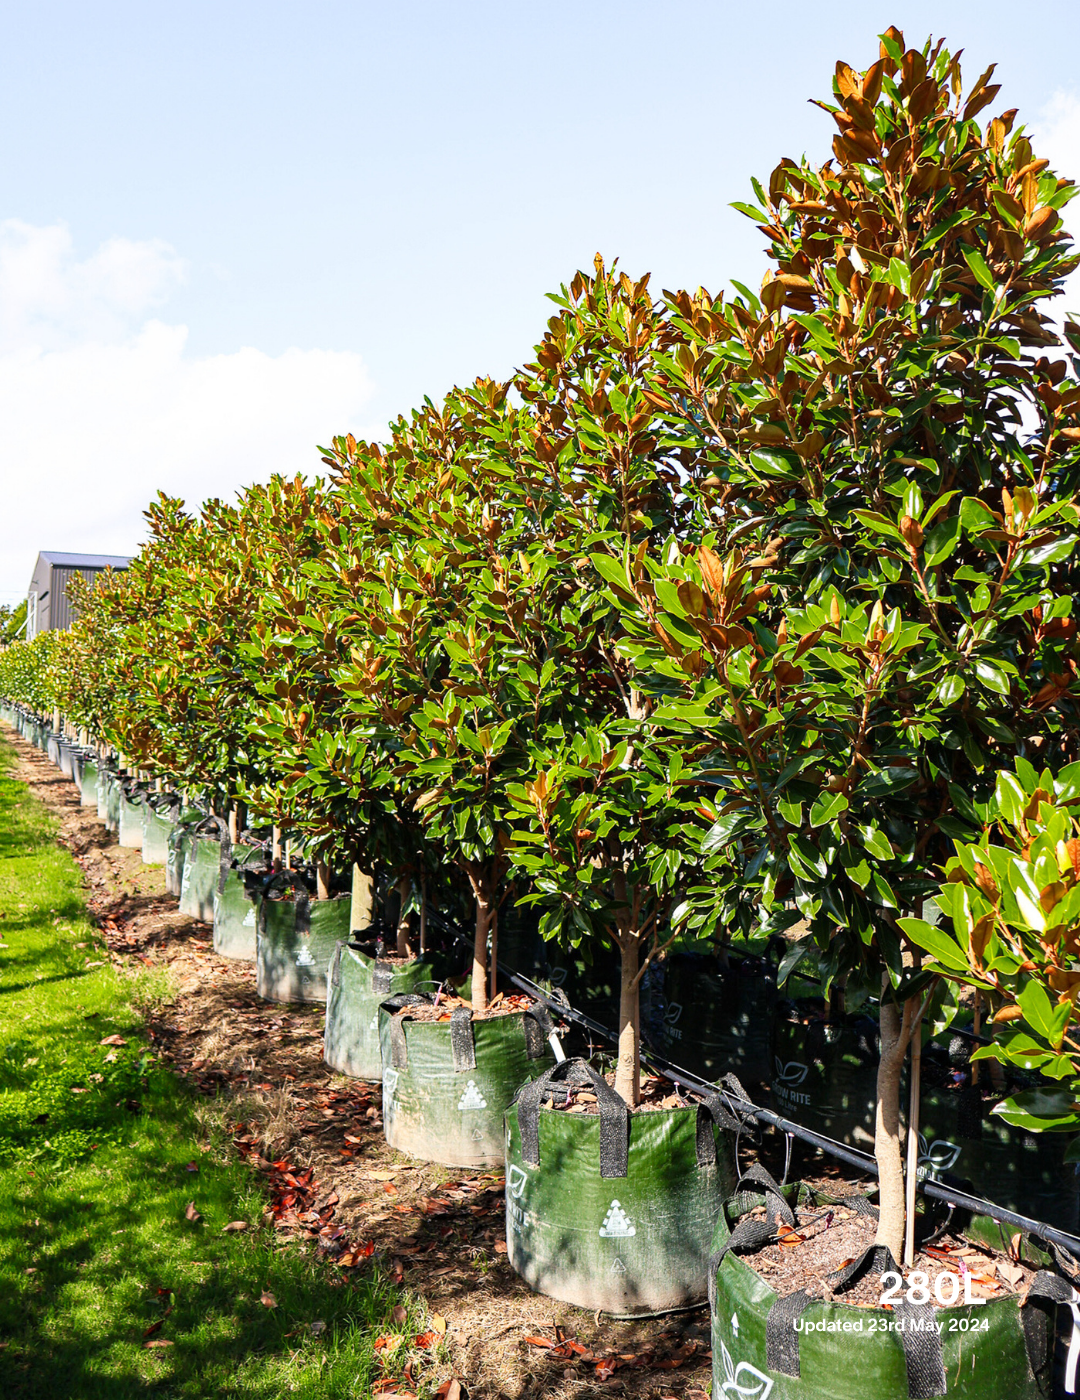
(101, 1151)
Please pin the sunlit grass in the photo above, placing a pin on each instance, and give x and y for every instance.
(100, 1154)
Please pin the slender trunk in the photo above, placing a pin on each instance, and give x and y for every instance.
(628, 1072)
(479, 965)
(322, 880)
(276, 847)
(494, 963)
(913, 1140)
(403, 949)
(423, 910)
(234, 825)
(887, 1131)
(360, 911)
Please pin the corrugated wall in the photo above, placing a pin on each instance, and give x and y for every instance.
(60, 613)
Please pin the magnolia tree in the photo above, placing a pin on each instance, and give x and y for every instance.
(607, 823)
(880, 610)
(1011, 928)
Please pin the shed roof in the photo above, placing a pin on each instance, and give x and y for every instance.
(85, 561)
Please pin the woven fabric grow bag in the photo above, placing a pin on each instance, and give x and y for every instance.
(66, 758)
(235, 911)
(824, 1074)
(202, 867)
(132, 807)
(772, 1348)
(106, 777)
(158, 823)
(615, 1210)
(112, 804)
(88, 782)
(447, 1084)
(359, 982)
(180, 838)
(710, 1019)
(295, 940)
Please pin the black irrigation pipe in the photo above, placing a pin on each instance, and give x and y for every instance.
(851, 1155)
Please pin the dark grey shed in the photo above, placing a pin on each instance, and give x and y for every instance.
(48, 605)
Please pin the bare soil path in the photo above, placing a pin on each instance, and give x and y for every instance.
(317, 1137)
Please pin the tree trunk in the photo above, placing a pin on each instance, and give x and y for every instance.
(628, 1073)
(887, 1131)
(494, 957)
(360, 912)
(234, 824)
(403, 948)
(322, 880)
(480, 963)
(276, 846)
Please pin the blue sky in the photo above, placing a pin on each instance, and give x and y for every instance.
(229, 231)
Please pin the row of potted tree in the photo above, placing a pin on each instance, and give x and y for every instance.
(722, 614)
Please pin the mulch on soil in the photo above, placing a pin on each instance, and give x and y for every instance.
(827, 1238)
(316, 1137)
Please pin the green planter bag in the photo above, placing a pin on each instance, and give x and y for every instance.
(447, 1084)
(202, 867)
(159, 818)
(824, 1073)
(132, 809)
(614, 1210)
(791, 1348)
(112, 804)
(295, 940)
(106, 777)
(235, 911)
(359, 982)
(88, 782)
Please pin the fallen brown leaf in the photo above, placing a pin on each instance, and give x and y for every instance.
(113, 1040)
(438, 1322)
(234, 1227)
(268, 1300)
(399, 1315)
(157, 1342)
(191, 1213)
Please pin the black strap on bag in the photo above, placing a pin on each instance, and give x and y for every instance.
(226, 849)
(1038, 1316)
(712, 1110)
(397, 1006)
(538, 1026)
(462, 1045)
(614, 1115)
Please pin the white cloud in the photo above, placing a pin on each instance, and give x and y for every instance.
(1055, 135)
(100, 408)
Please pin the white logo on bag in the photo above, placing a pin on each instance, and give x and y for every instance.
(249, 918)
(515, 1182)
(672, 1014)
(304, 958)
(744, 1380)
(558, 976)
(617, 1266)
(939, 1154)
(787, 1078)
(472, 1097)
(617, 1224)
(389, 1081)
(374, 1022)
(792, 1073)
